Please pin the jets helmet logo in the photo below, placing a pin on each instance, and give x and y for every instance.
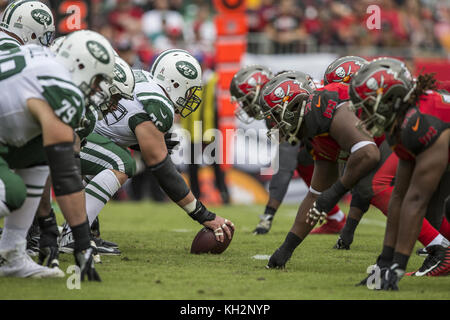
(119, 74)
(98, 51)
(186, 69)
(41, 17)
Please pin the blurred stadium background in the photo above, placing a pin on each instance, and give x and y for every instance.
(304, 35)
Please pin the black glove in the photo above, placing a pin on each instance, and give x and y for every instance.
(85, 260)
(281, 256)
(389, 281)
(201, 214)
(48, 241)
(326, 201)
(171, 141)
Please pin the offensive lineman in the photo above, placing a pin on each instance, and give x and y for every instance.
(170, 87)
(43, 99)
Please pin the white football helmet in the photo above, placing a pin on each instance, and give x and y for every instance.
(122, 86)
(31, 21)
(180, 75)
(90, 59)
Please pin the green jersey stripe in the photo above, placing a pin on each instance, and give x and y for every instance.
(159, 99)
(101, 189)
(32, 186)
(66, 85)
(92, 193)
(9, 40)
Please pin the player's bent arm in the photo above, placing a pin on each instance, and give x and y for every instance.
(154, 152)
(364, 153)
(429, 167)
(58, 140)
(325, 173)
(364, 156)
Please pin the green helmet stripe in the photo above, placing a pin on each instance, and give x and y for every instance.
(152, 72)
(14, 9)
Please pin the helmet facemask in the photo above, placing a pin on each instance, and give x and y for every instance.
(248, 109)
(378, 113)
(287, 122)
(97, 92)
(185, 106)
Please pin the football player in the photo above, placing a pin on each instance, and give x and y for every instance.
(171, 87)
(26, 22)
(245, 89)
(31, 22)
(43, 100)
(416, 122)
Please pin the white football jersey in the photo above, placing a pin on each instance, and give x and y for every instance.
(7, 42)
(150, 104)
(31, 71)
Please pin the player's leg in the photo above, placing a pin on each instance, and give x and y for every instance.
(278, 185)
(106, 166)
(20, 194)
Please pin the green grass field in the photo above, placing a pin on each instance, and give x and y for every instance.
(156, 264)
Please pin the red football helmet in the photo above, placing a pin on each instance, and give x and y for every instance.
(342, 69)
(379, 89)
(245, 88)
(283, 102)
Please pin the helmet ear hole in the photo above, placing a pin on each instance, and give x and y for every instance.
(176, 85)
(81, 66)
(33, 36)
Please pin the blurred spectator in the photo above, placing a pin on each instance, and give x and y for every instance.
(164, 27)
(285, 29)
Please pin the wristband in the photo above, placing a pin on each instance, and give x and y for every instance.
(201, 214)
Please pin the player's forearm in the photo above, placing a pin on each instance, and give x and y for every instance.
(300, 227)
(359, 164)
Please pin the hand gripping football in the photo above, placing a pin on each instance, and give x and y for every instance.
(205, 242)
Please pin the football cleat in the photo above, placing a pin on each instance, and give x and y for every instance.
(65, 241)
(422, 252)
(264, 224)
(330, 227)
(436, 264)
(104, 249)
(341, 245)
(17, 263)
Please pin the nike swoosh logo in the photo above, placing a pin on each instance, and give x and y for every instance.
(419, 274)
(416, 126)
(163, 115)
(318, 103)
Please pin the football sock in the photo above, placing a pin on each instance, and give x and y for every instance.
(386, 257)
(81, 235)
(99, 191)
(338, 216)
(401, 260)
(348, 231)
(428, 233)
(445, 228)
(20, 220)
(270, 211)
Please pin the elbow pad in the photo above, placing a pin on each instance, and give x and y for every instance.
(65, 168)
(170, 180)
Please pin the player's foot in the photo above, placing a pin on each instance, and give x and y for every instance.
(329, 227)
(33, 237)
(17, 263)
(264, 224)
(65, 241)
(341, 245)
(422, 252)
(436, 264)
(104, 249)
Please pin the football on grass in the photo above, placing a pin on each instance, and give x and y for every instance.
(205, 242)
